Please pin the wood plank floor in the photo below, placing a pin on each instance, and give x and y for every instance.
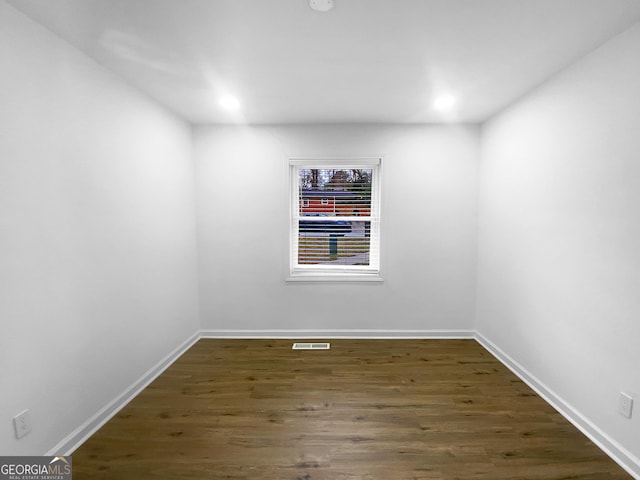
(366, 409)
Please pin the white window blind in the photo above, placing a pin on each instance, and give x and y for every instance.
(335, 217)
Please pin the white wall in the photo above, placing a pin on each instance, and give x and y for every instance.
(97, 235)
(559, 239)
(428, 233)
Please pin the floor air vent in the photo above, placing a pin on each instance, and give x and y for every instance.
(311, 346)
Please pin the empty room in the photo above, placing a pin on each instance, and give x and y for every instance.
(320, 239)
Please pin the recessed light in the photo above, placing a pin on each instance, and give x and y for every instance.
(229, 102)
(321, 5)
(445, 102)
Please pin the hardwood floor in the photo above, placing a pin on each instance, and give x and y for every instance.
(366, 409)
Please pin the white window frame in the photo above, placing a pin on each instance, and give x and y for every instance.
(339, 273)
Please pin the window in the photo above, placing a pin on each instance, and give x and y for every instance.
(335, 219)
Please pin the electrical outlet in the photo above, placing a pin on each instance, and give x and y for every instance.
(22, 423)
(626, 404)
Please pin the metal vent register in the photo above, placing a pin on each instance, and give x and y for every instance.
(311, 346)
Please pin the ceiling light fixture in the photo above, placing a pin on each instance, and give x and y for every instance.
(321, 5)
(229, 102)
(445, 102)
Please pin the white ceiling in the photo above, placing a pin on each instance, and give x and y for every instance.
(364, 61)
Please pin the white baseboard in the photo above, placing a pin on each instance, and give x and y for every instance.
(76, 438)
(327, 334)
(618, 453)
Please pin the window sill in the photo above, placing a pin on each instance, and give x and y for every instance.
(334, 278)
